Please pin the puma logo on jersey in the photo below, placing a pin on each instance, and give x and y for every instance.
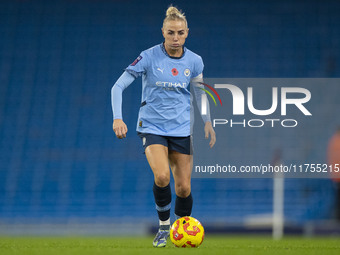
(161, 70)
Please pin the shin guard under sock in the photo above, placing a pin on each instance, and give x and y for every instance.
(163, 201)
(183, 206)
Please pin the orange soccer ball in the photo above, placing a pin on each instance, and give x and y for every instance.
(187, 232)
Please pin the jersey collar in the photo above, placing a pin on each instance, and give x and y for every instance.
(164, 51)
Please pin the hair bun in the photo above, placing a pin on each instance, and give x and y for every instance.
(172, 11)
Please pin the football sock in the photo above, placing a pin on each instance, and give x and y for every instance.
(183, 206)
(164, 225)
(164, 222)
(163, 203)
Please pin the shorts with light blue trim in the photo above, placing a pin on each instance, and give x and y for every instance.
(180, 144)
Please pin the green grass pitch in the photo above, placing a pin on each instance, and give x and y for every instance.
(143, 245)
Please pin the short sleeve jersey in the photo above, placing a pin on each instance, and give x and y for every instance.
(165, 103)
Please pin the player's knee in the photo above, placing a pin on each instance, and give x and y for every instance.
(183, 189)
(162, 179)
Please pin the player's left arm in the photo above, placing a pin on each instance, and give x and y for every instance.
(198, 92)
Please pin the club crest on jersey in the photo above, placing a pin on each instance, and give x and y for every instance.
(187, 72)
(136, 60)
(174, 72)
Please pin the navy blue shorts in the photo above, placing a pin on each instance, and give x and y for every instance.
(179, 144)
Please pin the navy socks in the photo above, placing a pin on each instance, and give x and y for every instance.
(163, 201)
(183, 206)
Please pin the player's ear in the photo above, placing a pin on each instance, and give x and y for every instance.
(187, 31)
(163, 32)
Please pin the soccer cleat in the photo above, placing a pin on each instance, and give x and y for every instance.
(161, 238)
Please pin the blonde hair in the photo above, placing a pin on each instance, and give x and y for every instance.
(172, 13)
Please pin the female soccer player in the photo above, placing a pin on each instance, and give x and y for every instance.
(164, 115)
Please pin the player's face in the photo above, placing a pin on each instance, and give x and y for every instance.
(175, 32)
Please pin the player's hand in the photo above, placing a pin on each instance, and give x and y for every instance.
(119, 128)
(209, 131)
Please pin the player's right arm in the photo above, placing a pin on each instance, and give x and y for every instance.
(134, 70)
(119, 127)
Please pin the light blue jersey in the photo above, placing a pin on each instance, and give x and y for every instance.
(165, 105)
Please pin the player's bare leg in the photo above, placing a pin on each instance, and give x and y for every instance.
(157, 156)
(181, 165)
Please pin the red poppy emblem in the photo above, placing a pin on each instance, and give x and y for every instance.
(174, 71)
